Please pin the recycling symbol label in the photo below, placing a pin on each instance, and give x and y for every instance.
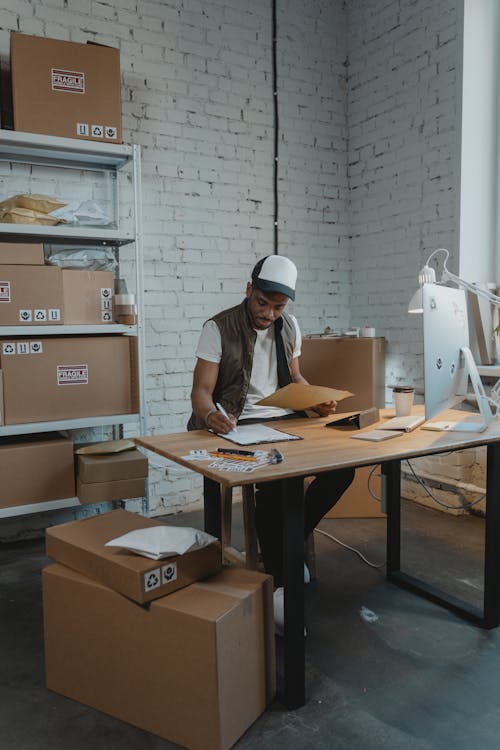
(8, 348)
(152, 579)
(169, 572)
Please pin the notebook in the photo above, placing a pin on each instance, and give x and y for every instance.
(377, 435)
(406, 424)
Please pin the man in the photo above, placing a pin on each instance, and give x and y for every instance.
(244, 354)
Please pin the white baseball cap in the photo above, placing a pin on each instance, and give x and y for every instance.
(275, 273)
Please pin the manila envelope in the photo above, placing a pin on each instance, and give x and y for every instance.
(299, 396)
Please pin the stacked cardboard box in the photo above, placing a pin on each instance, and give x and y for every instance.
(69, 377)
(65, 88)
(113, 476)
(196, 666)
(36, 469)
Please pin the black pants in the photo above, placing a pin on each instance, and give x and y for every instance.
(321, 495)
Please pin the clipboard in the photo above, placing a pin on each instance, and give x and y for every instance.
(358, 419)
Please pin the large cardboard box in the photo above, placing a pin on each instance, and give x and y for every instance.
(357, 502)
(65, 88)
(352, 364)
(30, 295)
(21, 253)
(35, 469)
(106, 492)
(87, 296)
(53, 378)
(80, 545)
(196, 667)
(107, 467)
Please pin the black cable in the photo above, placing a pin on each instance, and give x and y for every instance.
(276, 126)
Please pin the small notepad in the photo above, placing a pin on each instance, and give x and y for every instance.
(405, 424)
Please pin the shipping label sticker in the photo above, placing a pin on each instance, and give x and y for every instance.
(169, 572)
(68, 80)
(111, 132)
(82, 128)
(106, 316)
(152, 580)
(25, 316)
(36, 347)
(4, 291)
(54, 313)
(97, 131)
(8, 347)
(23, 347)
(40, 316)
(72, 374)
(106, 292)
(106, 304)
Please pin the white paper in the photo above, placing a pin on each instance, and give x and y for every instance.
(158, 542)
(251, 434)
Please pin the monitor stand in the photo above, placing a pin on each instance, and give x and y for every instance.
(482, 402)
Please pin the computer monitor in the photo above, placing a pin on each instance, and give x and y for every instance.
(448, 362)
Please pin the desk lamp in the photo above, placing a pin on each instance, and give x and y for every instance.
(428, 276)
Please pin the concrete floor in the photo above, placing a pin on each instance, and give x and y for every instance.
(385, 669)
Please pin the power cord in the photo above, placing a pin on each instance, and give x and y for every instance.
(440, 502)
(352, 549)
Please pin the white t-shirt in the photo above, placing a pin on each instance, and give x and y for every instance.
(264, 376)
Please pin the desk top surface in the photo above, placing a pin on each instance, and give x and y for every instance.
(322, 448)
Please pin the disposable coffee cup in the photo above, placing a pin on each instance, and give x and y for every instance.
(368, 332)
(403, 400)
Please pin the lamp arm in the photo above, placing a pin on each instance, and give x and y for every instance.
(473, 288)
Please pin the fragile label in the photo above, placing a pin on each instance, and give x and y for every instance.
(68, 80)
(4, 291)
(169, 572)
(72, 374)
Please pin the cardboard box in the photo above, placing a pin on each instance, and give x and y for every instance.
(87, 296)
(80, 545)
(196, 667)
(21, 253)
(352, 364)
(131, 464)
(30, 295)
(105, 492)
(70, 377)
(65, 88)
(356, 502)
(35, 469)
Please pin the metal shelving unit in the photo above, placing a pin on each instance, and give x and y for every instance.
(70, 153)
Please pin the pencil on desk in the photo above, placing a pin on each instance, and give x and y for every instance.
(232, 456)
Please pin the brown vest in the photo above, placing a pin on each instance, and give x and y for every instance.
(238, 342)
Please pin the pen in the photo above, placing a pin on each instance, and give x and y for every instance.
(222, 411)
(235, 451)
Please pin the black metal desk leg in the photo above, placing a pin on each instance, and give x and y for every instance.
(492, 538)
(293, 568)
(391, 486)
(212, 507)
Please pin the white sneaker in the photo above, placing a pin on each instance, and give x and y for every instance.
(307, 575)
(279, 612)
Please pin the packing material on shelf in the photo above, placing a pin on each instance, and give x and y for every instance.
(30, 295)
(196, 667)
(84, 258)
(70, 377)
(80, 545)
(27, 216)
(21, 254)
(65, 88)
(88, 296)
(130, 464)
(105, 492)
(36, 469)
(44, 204)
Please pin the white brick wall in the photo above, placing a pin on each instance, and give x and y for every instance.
(367, 97)
(403, 97)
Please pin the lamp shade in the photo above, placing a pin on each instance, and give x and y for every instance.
(416, 303)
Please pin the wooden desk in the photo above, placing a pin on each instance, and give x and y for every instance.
(325, 449)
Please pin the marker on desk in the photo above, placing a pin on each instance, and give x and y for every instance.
(235, 451)
(223, 412)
